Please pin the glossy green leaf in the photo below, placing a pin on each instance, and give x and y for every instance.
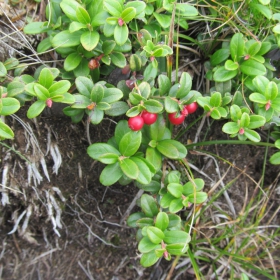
(129, 168)
(36, 109)
(163, 20)
(114, 7)
(109, 158)
(216, 99)
(271, 91)
(82, 15)
(170, 105)
(231, 66)
(153, 106)
(84, 85)
(175, 189)
(149, 205)
(251, 67)
(112, 95)
(275, 158)
(254, 48)
(133, 218)
(177, 249)
(108, 46)
(3, 70)
(41, 92)
(230, 128)
(5, 131)
(162, 221)
(172, 149)
(139, 6)
(258, 98)
(197, 197)
(89, 40)
(117, 109)
(118, 59)
(130, 143)
(75, 26)
(266, 11)
(128, 14)
(174, 220)
(222, 74)
(193, 186)
(120, 130)
(149, 259)
(59, 87)
(96, 116)
(14, 88)
(155, 234)
(154, 157)
(166, 200)
(72, 61)
(97, 93)
(121, 34)
(164, 84)
(145, 175)
(219, 56)
(66, 39)
(256, 121)
(252, 135)
(98, 149)
(46, 78)
(36, 28)
(185, 85)
(9, 106)
(110, 174)
(260, 83)
(176, 205)
(176, 236)
(70, 8)
(237, 47)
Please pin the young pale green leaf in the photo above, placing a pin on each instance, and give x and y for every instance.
(271, 91)
(254, 48)
(149, 205)
(260, 83)
(41, 92)
(14, 88)
(75, 26)
(174, 221)
(96, 116)
(72, 61)
(244, 120)
(219, 56)
(222, 74)
(230, 128)
(258, 98)
(89, 40)
(120, 130)
(82, 15)
(121, 34)
(145, 175)
(251, 67)
(11, 63)
(149, 259)
(36, 28)
(114, 7)
(146, 245)
(237, 45)
(5, 131)
(186, 10)
(231, 65)
(216, 99)
(197, 197)
(266, 11)
(192, 187)
(177, 249)
(59, 87)
(98, 149)
(155, 234)
(65, 39)
(111, 174)
(274, 159)
(163, 20)
(175, 189)
(252, 135)
(9, 106)
(130, 143)
(36, 109)
(46, 78)
(129, 168)
(256, 121)
(176, 236)
(3, 70)
(118, 59)
(185, 85)
(172, 149)
(176, 205)
(145, 222)
(162, 221)
(166, 200)
(153, 106)
(128, 14)
(109, 158)
(154, 157)
(235, 112)
(70, 8)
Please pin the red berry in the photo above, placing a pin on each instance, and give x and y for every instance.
(176, 120)
(136, 123)
(192, 107)
(185, 111)
(93, 64)
(149, 118)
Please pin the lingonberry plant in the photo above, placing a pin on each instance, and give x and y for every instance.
(95, 38)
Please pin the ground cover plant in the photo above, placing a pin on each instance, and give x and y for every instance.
(121, 60)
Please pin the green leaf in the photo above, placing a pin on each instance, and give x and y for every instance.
(41, 92)
(89, 40)
(128, 14)
(197, 197)
(222, 74)
(117, 109)
(254, 48)
(230, 128)
(5, 131)
(129, 168)
(66, 39)
(46, 78)
(237, 45)
(164, 84)
(192, 187)
(133, 218)
(177, 249)
(155, 234)
(231, 66)
(172, 149)
(251, 67)
(114, 7)
(9, 106)
(176, 236)
(118, 59)
(162, 221)
(96, 116)
(266, 11)
(75, 26)
(252, 135)
(145, 175)
(174, 220)
(256, 121)
(59, 87)
(149, 206)
(70, 8)
(96, 150)
(149, 259)
(163, 20)
(219, 56)
(121, 34)
(271, 91)
(154, 157)
(111, 174)
(146, 245)
(216, 99)
(144, 222)
(36, 28)
(44, 45)
(97, 93)
(175, 189)
(170, 105)
(186, 10)
(3, 70)
(260, 83)
(36, 109)
(153, 106)
(258, 98)
(108, 158)
(274, 159)
(185, 85)
(82, 15)
(84, 85)
(14, 88)
(130, 143)
(120, 130)
(176, 205)
(108, 46)
(276, 29)
(72, 61)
